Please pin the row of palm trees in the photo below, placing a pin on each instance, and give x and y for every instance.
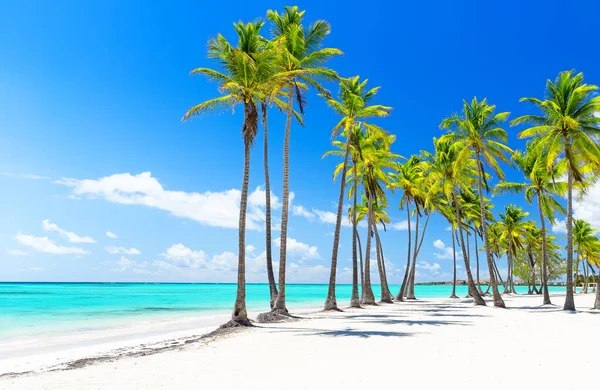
(562, 157)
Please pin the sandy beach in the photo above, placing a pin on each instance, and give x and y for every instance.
(426, 343)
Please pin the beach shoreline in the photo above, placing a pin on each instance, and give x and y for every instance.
(454, 328)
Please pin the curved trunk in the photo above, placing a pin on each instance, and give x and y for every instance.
(454, 258)
(270, 275)
(410, 294)
(400, 296)
(544, 255)
(569, 300)
(280, 301)
(386, 296)
(354, 300)
(367, 294)
(477, 299)
(330, 302)
(360, 258)
(469, 293)
(477, 260)
(532, 262)
(585, 276)
(239, 314)
(597, 301)
(498, 302)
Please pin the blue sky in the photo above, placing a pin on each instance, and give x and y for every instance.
(91, 96)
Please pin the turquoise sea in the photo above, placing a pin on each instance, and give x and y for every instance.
(30, 308)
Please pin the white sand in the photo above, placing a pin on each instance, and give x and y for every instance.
(429, 343)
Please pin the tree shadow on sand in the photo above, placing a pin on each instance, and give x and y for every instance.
(348, 332)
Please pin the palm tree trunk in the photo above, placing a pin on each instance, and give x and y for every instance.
(400, 296)
(544, 255)
(330, 302)
(270, 276)
(477, 299)
(280, 301)
(354, 300)
(477, 260)
(360, 257)
(585, 275)
(454, 258)
(569, 300)
(469, 295)
(532, 262)
(239, 315)
(367, 294)
(386, 296)
(597, 301)
(498, 302)
(410, 294)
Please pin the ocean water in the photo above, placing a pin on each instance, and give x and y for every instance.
(42, 308)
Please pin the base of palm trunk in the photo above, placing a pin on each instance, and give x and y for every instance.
(399, 298)
(331, 305)
(453, 296)
(413, 298)
(387, 300)
(368, 302)
(499, 303)
(276, 315)
(236, 324)
(355, 303)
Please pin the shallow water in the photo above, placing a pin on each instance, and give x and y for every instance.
(36, 308)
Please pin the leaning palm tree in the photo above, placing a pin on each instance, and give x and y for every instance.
(302, 57)
(452, 171)
(567, 129)
(512, 228)
(373, 172)
(479, 129)
(408, 177)
(353, 106)
(245, 71)
(544, 184)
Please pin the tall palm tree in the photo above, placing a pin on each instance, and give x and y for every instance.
(373, 172)
(543, 183)
(512, 231)
(478, 127)
(568, 129)
(586, 243)
(353, 106)
(302, 56)
(452, 171)
(245, 71)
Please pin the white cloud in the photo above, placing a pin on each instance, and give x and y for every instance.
(443, 252)
(448, 228)
(209, 208)
(24, 176)
(560, 227)
(72, 237)
(182, 256)
(434, 268)
(111, 234)
(17, 252)
(124, 264)
(303, 212)
(301, 249)
(46, 245)
(226, 261)
(250, 248)
(402, 225)
(116, 250)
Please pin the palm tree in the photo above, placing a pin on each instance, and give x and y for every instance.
(512, 231)
(353, 106)
(446, 209)
(479, 129)
(567, 129)
(452, 170)
(587, 245)
(302, 57)
(246, 71)
(408, 177)
(544, 184)
(372, 170)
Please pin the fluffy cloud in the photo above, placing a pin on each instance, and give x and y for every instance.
(587, 208)
(181, 256)
(124, 264)
(111, 234)
(402, 225)
(560, 227)
(443, 252)
(433, 268)
(303, 212)
(16, 252)
(72, 237)
(209, 208)
(304, 251)
(116, 250)
(46, 245)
